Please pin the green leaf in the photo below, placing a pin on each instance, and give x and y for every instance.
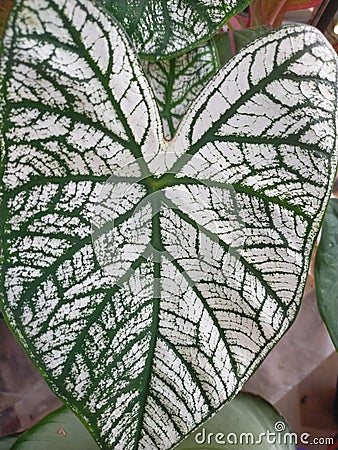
(7, 442)
(164, 29)
(148, 279)
(326, 271)
(178, 81)
(232, 42)
(246, 421)
(60, 430)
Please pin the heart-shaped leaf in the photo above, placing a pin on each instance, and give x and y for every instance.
(272, 12)
(148, 279)
(326, 271)
(177, 82)
(163, 29)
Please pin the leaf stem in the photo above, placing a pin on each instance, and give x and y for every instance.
(277, 12)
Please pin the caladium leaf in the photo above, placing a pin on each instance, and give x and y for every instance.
(163, 29)
(326, 271)
(148, 279)
(177, 81)
(272, 12)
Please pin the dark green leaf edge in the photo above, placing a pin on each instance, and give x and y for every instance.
(326, 271)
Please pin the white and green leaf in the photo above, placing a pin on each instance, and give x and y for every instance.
(148, 279)
(177, 82)
(166, 28)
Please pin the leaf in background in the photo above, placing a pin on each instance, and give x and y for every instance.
(7, 442)
(326, 271)
(200, 249)
(272, 12)
(235, 23)
(178, 81)
(60, 430)
(230, 43)
(244, 418)
(242, 423)
(163, 29)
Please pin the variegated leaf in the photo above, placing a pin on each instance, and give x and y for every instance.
(147, 279)
(178, 81)
(166, 28)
